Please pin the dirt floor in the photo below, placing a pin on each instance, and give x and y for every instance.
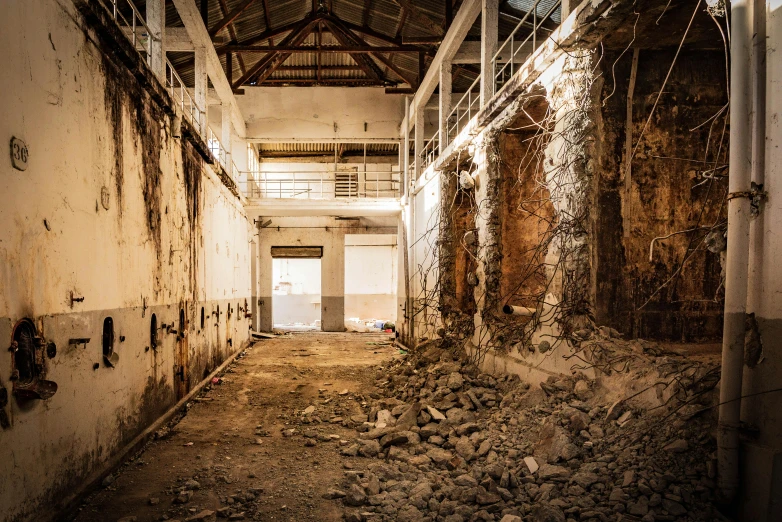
(231, 451)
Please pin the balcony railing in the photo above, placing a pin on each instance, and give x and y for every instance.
(464, 110)
(515, 50)
(133, 25)
(320, 185)
(510, 56)
(431, 151)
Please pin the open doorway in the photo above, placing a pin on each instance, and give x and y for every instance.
(296, 293)
(370, 282)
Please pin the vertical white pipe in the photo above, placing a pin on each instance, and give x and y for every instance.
(739, 176)
(445, 102)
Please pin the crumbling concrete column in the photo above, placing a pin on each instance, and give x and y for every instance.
(265, 317)
(445, 102)
(226, 128)
(490, 20)
(156, 22)
(201, 86)
(568, 175)
(332, 299)
(488, 195)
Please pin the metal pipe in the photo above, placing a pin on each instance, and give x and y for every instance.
(736, 270)
(518, 310)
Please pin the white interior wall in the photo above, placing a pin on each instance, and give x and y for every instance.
(320, 113)
(296, 290)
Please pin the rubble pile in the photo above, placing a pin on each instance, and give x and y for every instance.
(449, 443)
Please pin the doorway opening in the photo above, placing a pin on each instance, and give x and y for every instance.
(371, 281)
(296, 293)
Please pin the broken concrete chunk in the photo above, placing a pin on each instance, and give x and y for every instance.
(203, 515)
(435, 413)
(308, 410)
(531, 463)
(677, 446)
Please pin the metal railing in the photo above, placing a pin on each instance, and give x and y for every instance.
(431, 151)
(172, 81)
(467, 107)
(178, 91)
(515, 51)
(504, 70)
(320, 185)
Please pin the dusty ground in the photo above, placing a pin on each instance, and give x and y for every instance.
(231, 441)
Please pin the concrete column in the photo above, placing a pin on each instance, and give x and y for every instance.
(406, 151)
(489, 27)
(332, 298)
(419, 142)
(445, 102)
(226, 132)
(566, 8)
(201, 85)
(156, 22)
(265, 319)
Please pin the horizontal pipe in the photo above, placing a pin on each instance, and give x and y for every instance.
(518, 310)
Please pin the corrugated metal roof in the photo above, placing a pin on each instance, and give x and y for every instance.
(382, 17)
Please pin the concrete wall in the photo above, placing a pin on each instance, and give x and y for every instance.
(115, 210)
(326, 232)
(371, 276)
(322, 113)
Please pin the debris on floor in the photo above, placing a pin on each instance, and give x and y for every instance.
(445, 442)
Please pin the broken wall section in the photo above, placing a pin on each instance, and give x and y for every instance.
(119, 244)
(659, 229)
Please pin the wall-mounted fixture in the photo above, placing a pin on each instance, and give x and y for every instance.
(19, 154)
(76, 299)
(110, 357)
(153, 332)
(29, 364)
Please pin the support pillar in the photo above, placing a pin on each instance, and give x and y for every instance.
(226, 132)
(156, 22)
(201, 87)
(445, 102)
(419, 143)
(490, 19)
(332, 298)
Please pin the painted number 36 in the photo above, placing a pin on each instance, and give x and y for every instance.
(19, 154)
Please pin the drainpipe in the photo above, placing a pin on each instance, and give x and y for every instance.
(737, 264)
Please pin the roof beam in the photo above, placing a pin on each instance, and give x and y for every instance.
(462, 23)
(232, 33)
(345, 38)
(230, 17)
(279, 58)
(287, 48)
(422, 17)
(365, 14)
(191, 17)
(271, 53)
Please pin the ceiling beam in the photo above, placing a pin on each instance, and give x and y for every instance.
(365, 14)
(334, 82)
(345, 37)
(279, 58)
(191, 18)
(422, 17)
(230, 17)
(261, 64)
(462, 23)
(232, 33)
(286, 48)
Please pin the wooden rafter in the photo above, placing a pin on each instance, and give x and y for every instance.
(303, 27)
(229, 17)
(346, 49)
(422, 17)
(365, 14)
(386, 61)
(346, 38)
(279, 58)
(232, 33)
(401, 24)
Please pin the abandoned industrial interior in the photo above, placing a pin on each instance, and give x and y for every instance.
(391, 260)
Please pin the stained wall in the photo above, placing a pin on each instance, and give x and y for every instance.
(116, 217)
